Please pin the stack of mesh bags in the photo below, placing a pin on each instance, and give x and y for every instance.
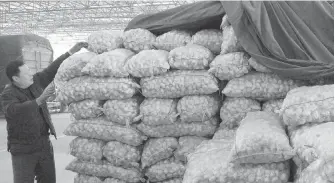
(157, 162)
(170, 67)
(309, 114)
(178, 109)
(259, 153)
(250, 86)
(100, 95)
(231, 63)
(172, 97)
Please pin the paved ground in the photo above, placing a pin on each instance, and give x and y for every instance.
(62, 156)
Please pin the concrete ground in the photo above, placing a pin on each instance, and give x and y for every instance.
(62, 156)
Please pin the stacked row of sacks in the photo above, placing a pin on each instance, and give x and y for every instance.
(260, 150)
(180, 109)
(178, 113)
(259, 153)
(180, 103)
(252, 87)
(249, 86)
(309, 114)
(103, 102)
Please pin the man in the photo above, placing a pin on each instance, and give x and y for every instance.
(28, 120)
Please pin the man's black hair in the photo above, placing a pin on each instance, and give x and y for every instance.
(12, 69)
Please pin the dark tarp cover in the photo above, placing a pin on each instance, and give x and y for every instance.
(292, 38)
(192, 17)
(11, 49)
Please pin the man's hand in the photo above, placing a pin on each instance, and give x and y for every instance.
(48, 92)
(78, 47)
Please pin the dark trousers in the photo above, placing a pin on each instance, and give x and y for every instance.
(40, 164)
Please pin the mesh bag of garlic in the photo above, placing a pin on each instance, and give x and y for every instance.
(174, 180)
(172, 39)
(105, 169)
(138, 40)
(190, 57)
(313, 104)
(273, 105)
(81, 178)
(177, 84)
(85, 87)
(225, 22)
(187, 145)
(229, 41)
(165, 170)
(155, 111)
(157, 149)
(86, 109)
(100, 128)
(234, 110)
(320, 171)
(321, 81)
(110, 63)
(87, 149)
(257, 66)
(260, 86)
(104, 41)
(230, 65)
(209, 163)
(261, 138)
(148, 63)
(72, 66)
(123, 155)
(113, 180)
(198, 107)
(312, 142)
(122, 111)
(178, 129)
(209, 38)
(225, 133)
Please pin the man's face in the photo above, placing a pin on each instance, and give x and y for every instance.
(25, 78)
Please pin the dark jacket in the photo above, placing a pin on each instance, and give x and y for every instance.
(24, 117)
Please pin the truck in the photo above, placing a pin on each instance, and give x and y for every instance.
(34, 50)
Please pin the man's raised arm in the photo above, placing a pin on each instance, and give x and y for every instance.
(46, 76)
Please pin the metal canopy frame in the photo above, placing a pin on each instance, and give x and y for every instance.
(74, 19)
